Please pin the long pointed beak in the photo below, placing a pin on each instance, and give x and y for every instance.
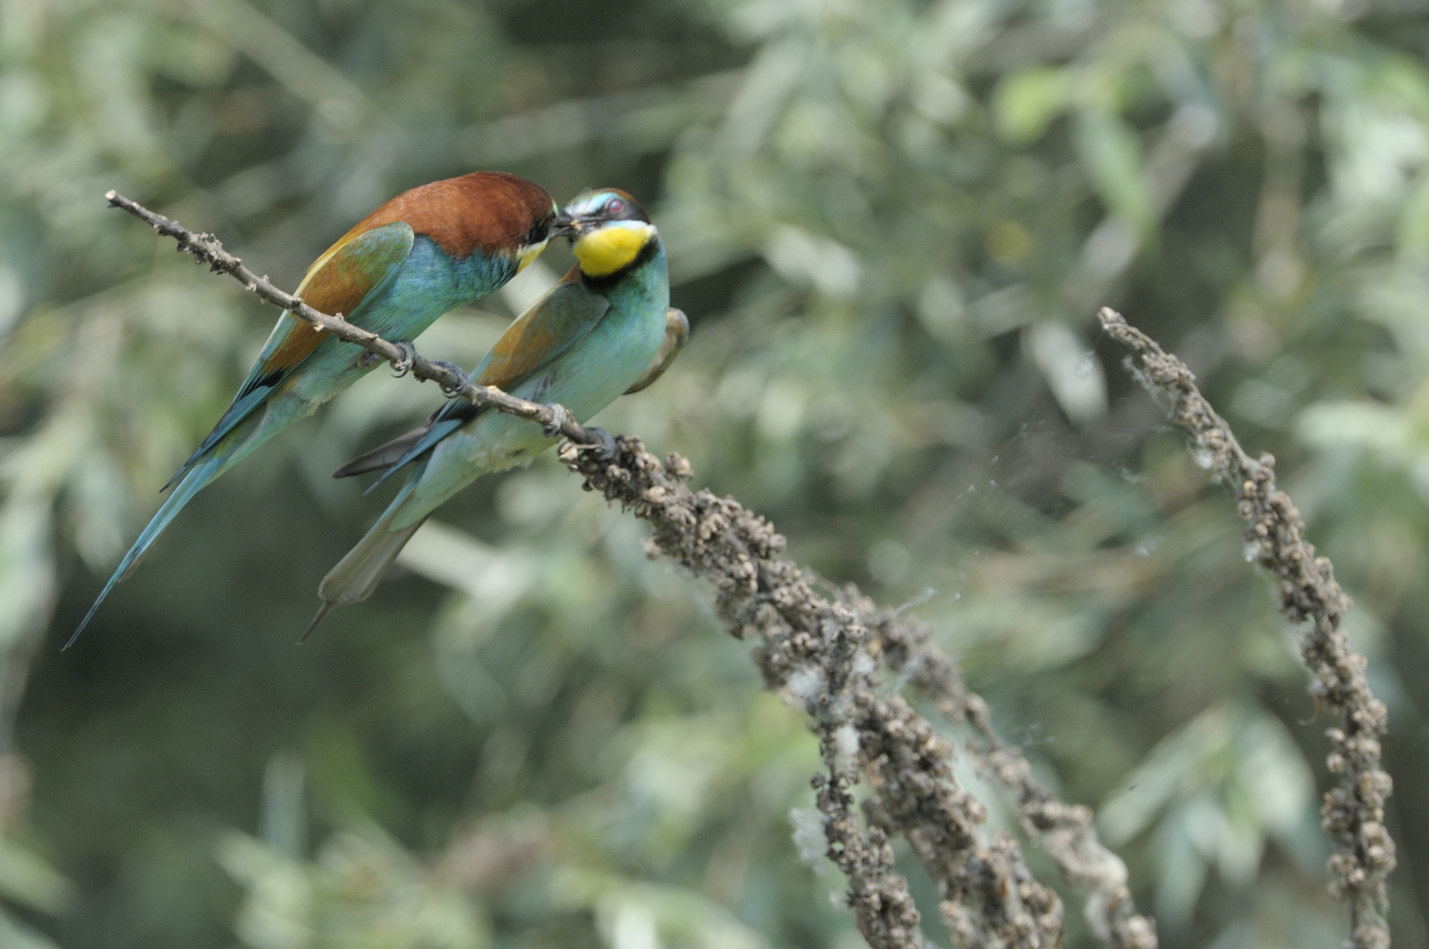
(565, 225)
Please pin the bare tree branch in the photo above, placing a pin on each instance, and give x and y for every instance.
(206, 249)
(1352, 813)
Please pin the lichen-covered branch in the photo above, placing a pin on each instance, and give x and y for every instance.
(839, 657)
(1352, 812)
(1064, 831)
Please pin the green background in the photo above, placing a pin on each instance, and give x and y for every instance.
(891, 224)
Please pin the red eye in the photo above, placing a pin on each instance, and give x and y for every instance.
(614, 206)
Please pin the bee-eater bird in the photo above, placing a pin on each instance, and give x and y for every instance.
(606, 328)
(424, 252)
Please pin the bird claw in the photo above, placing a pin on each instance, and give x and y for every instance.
(459, 372)
(409, 358)
(560, 415)
(604, 444)
(600, 438)
(600, 442)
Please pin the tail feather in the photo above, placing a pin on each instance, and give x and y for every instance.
(357, 574)
(236, 414)
(384, 456)
(195, 481)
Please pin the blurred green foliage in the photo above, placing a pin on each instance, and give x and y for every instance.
(891, 224)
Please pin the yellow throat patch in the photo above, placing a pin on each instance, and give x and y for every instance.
(529, 253)
(613, 247)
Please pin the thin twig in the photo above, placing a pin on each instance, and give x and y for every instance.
(206, 249)
(1352, 812)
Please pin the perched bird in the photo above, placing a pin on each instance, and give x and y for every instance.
(424, 252)
(604, 329)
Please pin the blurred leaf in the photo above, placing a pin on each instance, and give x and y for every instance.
(1071, 371)
(1215, 792)
(362, 891)
(1112, 153)
(29, 880)
(17, 935)
(1027, 101)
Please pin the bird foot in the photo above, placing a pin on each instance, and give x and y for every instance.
(605, 444)
(601, 442)
(457, 371)
(409, 358)
(560, 416)
(599, 439)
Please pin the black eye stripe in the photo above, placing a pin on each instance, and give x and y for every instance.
(540, 231)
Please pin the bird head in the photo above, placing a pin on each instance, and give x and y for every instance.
(608, 230)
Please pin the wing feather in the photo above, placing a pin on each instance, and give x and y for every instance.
(339, 281)
(548, 327)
